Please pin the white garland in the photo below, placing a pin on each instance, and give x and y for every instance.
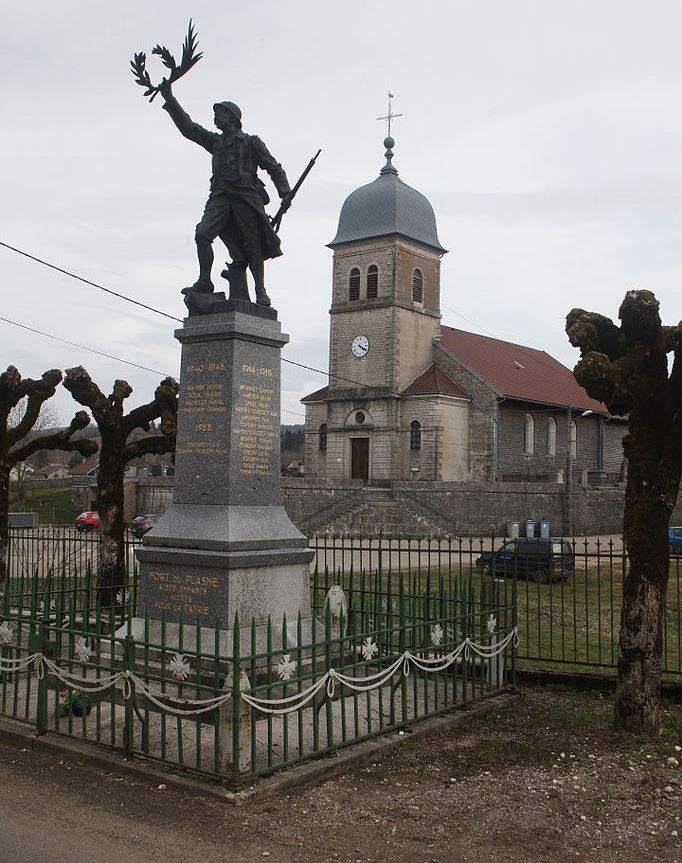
(15, 665)
(281, 706)
(274, 706)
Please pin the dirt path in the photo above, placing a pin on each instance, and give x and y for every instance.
(544, 781)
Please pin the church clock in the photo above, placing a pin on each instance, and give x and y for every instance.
(360, 346)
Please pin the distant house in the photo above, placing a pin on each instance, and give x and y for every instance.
(50, 471)
(88, 467)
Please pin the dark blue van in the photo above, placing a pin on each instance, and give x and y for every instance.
(675, 537)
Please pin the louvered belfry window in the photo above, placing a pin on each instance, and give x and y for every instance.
(354, 285)
(417, 286)
(323, 437)
(372, 282)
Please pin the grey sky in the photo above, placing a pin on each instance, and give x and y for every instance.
(546, 135)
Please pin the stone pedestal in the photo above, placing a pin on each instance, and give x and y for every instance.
(226, 544)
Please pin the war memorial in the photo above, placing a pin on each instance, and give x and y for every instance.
(228, 654)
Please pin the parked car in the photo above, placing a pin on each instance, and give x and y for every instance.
(540, 560)
(88, 520)
(142, 523)
(675, 537)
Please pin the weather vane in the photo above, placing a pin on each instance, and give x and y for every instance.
(390, 116)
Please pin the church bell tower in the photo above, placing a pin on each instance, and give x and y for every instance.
(384, 316)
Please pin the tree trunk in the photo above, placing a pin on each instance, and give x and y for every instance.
(112, 567)
(646, 521)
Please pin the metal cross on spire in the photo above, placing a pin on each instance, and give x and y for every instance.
(390, 116)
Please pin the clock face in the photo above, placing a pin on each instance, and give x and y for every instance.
(360, 346)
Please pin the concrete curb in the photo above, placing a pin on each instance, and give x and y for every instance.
(13, 733)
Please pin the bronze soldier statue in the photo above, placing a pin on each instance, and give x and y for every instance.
(235, 210)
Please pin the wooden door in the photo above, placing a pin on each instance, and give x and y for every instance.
(359, 458)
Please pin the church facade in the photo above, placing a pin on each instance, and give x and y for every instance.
(410, 399)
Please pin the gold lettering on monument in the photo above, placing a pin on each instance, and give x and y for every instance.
(187, 594)
(256, 422)
(206, 400)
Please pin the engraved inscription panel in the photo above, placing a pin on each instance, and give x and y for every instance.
(204, 404)
(256, 421)
(176, 593)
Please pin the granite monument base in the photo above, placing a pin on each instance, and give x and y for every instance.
(226, 546)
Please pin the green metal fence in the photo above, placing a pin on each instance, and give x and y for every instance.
(569, 623)
(569, 617)
(239, 704)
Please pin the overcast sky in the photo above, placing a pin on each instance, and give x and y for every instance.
(547, 136)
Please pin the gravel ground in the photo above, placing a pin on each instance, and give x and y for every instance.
(545, 780)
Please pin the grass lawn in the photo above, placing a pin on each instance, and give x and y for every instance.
(53, 505)
(574, 622)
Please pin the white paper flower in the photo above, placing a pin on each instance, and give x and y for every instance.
(491, 624)
(368, 649)
(81, 649)
(436, 634)
(6, 633)
(286, 667)
(179, 667)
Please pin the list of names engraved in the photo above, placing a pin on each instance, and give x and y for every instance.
(204, 403)
(256, 422)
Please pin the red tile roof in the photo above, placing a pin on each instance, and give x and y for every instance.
(86, 465)
(516, 371)
(435, 381)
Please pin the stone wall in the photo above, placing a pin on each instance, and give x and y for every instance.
(469, 508)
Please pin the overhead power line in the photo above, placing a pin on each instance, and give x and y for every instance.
(173, 318)
(103, 353)
(88, 282)
(82, 347)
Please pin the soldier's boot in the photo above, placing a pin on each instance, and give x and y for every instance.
(203, 284)
(257, 268)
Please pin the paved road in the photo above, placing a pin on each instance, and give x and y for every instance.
(57, 812)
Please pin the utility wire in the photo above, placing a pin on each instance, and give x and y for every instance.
(88, 282)
(103, 354)
(82, 347)
(173, 318)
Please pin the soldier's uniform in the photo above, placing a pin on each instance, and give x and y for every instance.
(235, 209)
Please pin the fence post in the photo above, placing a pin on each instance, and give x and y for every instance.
(234, 717)
(493, 589)
(129, 707)
(39, 643)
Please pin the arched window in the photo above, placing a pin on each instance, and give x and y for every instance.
(354, 285)
(528, 434)
(322, 433)
(415, 435)
(574, 440)
(372, 281)
(551, 437)
(417, 286)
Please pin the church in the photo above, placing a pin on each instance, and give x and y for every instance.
(410, 399)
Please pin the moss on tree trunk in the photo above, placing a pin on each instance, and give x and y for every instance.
(626, 368)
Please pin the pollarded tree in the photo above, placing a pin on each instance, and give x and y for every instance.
(626, 367)
(116, 451)
(18, 438)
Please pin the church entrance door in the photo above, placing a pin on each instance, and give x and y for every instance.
(359, 458)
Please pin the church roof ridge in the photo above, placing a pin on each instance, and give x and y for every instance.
(518, 371)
